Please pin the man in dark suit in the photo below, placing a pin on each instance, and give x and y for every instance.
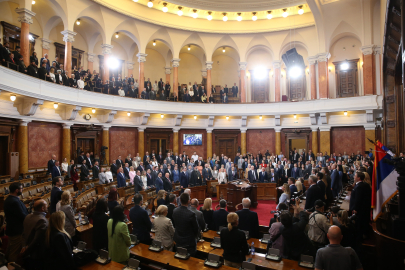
(184, 178)
(160, 84)
(232, 174)
(119, 162)
(96, 170)
(234, 90)
(120, 178)
(51, 163)
(252, 175)
(89, 162)
(273, 177)
(171, 206)
(56, 193)
(206, 173)
(186, 97)
(56, 170)
(295, 172)
(278, 171)
(141, 224)
(296, 156)
(185, 234)
(313, 194)
(114, 168)
(334, 181)
(138, 185)
(167, 184)
(126, 171)
(291, 183)
(146, 156)
(224, 99)
(220, 216)
(84, 172)
(149, 179)
(263, 176)
(141, 168)
(248, 220)
(321, 185)
(195, 178)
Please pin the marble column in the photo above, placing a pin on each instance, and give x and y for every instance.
(209, 142)
(66, 142)
(277, 85)
(46, 45)
(22, 145)
(130, 66)
(176, 63)
(368, 70)
(141, 141)
(312, 76)
(141, 80)
(106, 142)
(243, 141)
(208, 65)
(369, 134)
(278, 140)
(176, 140)
(90, 61)
(106, 49)
(168, 72)
(324, 140)
(242, 88)
(68, 38)
(314, 140)
(323, 74)
(25, 17)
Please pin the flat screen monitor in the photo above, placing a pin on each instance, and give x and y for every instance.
(192, 139)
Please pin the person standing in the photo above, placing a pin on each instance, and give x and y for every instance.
(56, 192)
(141, 224)
(118, 236)
(249, 220)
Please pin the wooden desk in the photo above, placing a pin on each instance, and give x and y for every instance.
(198, 192)
(237, 192)
(259, 246)
(222, 191)
(204, 247)
(266, 191)
(85, 233)
(212, 188)
(96, 266)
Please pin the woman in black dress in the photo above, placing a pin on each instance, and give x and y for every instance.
(100, 219)
(207, 211)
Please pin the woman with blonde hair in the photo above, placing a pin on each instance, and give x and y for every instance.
(298, 184)
(132, 174)
(367, 178)
(160, 200)
(163, 226)
(285, 197)
(208, 213)
(233, 242)
(65, 207)
(59, 245)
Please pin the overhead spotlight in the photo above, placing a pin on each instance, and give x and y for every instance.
(13, 97)
(154, 43)
(269, 15)
(254, 17)
(344, 66)
(195, 15)
(33, 2)
(209, 17)
(161, 116)
(188, 47)
(55, 105)
(223, 49)
(128, 113)
(165, 9)
(227, 118)
(195, 117)
(260, 117)
(93, 110)
(135, 1)
(225, 18)
(116, 35)
(295, 72)
(295, 116)
(301, 10)
(345, 113)
(239, 18)
(78, 22)
(180, 12)
(285, 13)
(150, 4)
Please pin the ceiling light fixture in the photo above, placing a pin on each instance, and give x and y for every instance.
(227, 118)
(33, 2)
(93, 110)
(300, 11)
(55, 105)
(188, 47)
(116, 35)
(180, 12)
(128, 113)
(344, 66)
(195, 117)
(13, 97)
(269, 15)
(161, 116)
(239, 18)
(209, 17)
(223, 49)
(150, 4)
(295, 116)
(285, 13)
(154, 43)
(345, 113)
(260, 117)
(195, 15)
(135, 1)
(225, 18)
(165, 9)
(78, 22)
(254, 17)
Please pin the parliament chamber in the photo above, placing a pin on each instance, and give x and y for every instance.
(288, 113)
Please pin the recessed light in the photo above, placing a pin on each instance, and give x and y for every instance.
(93, 110)
(13, 97)
(55, 105)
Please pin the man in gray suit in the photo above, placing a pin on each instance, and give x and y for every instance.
(102, 178)
(186, 231)
(199, 214)
(35, 226)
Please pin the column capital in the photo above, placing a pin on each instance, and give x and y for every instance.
(243, 130)
(242, 65)
(176, 62)
(130, 65)
(368, 49)
(141, 129)
(312, 60)
(141, 57)
(323, 57)
(67, 125)
(24, 122)
(276, 64)
(277, 129)
(369, 126)
(68, 36)
(377, 50)
(25, 15)
(176, 129)
(204, 72)
(208, 64)
(209, 130)
(106, 127)
(168, 70)
(106, 48)
(46, 43)
(314, 129)
(324, 128)
(90, 57)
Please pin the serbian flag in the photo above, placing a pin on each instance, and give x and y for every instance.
(384, 179)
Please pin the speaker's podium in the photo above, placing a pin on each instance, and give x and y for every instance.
(239, 189)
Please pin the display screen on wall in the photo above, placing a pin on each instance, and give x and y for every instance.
(192, 139)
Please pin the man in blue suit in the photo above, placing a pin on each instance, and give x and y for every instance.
(295, 172)
(334, 181)
(248, 220)
(263, 176)
(159, 182)
(220, 216)
(55, 170)
(141, 224)
(232, 173)
(120, 178)
(291, 183)
(184, 178)
(186, 97)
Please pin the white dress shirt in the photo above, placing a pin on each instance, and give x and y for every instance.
(80, 84)
(195, 157)
(121, 92)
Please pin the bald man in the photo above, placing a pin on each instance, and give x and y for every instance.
(35, 226)
(334, 256)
